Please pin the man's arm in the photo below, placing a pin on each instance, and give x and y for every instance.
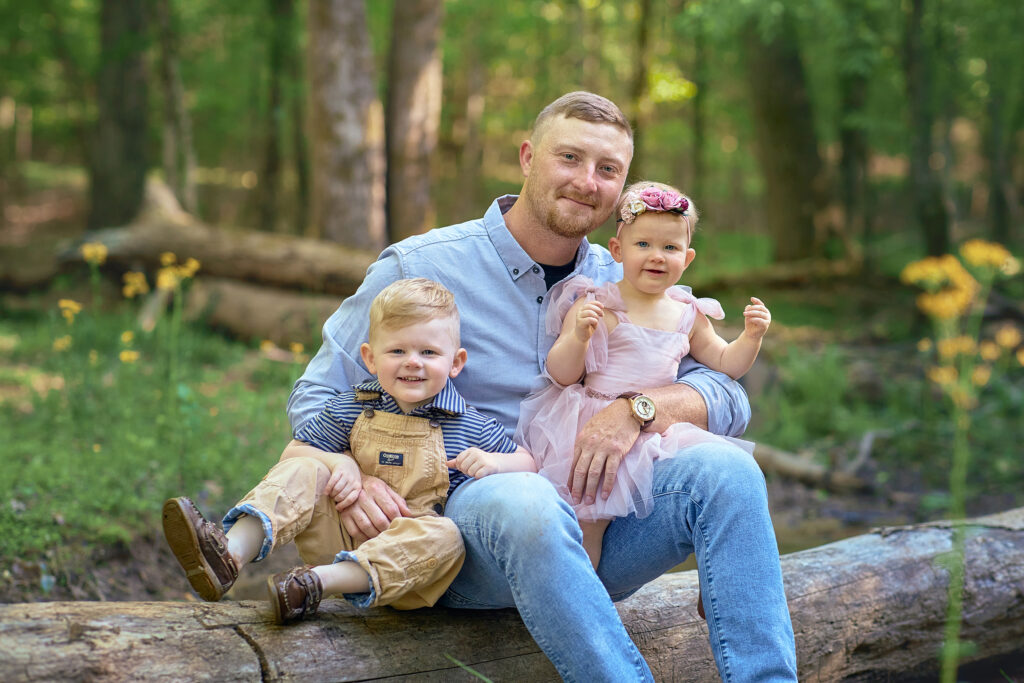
(707, 399)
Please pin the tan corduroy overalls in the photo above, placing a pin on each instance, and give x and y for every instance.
(414, 560)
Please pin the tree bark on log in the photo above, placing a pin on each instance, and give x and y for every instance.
(865, 608)
(273, 260)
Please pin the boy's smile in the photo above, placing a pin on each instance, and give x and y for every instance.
(413, 363)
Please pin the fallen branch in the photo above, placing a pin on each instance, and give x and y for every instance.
(866, 608)
(807, 471)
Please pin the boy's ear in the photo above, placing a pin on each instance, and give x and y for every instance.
(367, 353)
(458, 362)
(615, 247)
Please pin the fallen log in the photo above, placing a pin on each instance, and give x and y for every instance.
(776, 461)
(269, 259)
(870, 607)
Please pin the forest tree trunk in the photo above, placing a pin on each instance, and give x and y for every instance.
(281, 12)
(179, 156)
(414, 115)
(640, 103)
(346, 127)
(118, 166)
(786, 145)
(925, 184)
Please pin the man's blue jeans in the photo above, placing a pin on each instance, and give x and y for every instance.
(523, 550)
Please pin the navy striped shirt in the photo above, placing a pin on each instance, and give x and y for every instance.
(462, 426)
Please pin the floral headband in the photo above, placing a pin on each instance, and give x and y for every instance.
(636, 202)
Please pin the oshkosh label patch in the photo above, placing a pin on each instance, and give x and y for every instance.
(393, 459)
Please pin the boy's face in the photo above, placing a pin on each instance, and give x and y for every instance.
(413, 363)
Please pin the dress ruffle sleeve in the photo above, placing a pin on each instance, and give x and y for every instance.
(707, 306)
(563, 296)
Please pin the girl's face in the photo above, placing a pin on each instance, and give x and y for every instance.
(654, 251)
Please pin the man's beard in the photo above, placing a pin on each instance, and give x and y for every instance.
(561, 223)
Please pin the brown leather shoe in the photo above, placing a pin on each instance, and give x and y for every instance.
(201, 548)
(294, 594)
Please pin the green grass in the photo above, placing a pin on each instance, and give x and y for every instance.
(93, 445)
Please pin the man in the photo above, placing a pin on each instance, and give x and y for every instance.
(523, 545)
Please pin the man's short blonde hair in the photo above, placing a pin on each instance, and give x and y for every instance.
(583, 105)
(411, 301)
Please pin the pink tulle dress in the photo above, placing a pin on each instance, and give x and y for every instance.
(630, 358)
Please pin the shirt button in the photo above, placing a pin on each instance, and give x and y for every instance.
(435, 423)
(540, 299)
(515, 271)
(536, 269)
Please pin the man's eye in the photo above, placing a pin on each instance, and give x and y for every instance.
(610, 170)
(569, 156)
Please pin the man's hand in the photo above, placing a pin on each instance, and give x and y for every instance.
(599, 450)
(376, 506)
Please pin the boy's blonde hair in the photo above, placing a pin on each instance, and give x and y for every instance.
(410, 301)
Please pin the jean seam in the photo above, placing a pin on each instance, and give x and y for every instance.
(705, 569)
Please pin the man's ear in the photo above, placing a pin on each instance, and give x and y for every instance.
(367, 353)
(458, 362)
(526, 157)
(615, 247)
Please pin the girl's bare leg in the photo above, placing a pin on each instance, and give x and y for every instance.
(593, 535)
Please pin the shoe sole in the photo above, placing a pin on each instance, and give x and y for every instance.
(181, 537)
(274, 602)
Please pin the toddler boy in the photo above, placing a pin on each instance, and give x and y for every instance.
(407, 428)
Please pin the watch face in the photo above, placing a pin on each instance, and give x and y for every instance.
(644, 407)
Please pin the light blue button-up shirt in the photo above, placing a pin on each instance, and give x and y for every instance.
(502, 300)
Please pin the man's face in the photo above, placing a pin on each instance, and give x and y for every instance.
(413, 363)
(574, 171)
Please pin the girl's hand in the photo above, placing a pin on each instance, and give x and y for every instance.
(756, 318)
(476, 463)
(587, 319)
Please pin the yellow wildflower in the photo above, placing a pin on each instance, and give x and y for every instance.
(94, 357)
(168, 259)
(69, 308)
(296, 347)
(96, 448)
(62, 343)
(953, 346)
(989, 350)
(943, 375)
(266, 345)
(1011, 267)
(127, 336)
(982, 254)
(981, 375)
(190, 267)
(946, 304)
(129, 356)
(94, 253)
(134, 284)
(1008, 337)
(1020, 356)
(167, 278)
(925, 345)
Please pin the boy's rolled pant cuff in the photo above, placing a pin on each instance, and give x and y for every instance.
(268, 529)
(373, 582)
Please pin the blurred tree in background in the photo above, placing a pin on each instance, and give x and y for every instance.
(831, 127)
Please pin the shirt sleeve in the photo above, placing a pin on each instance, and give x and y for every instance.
(492, 437)
(337, 365)
(726, 400)
(329, 429)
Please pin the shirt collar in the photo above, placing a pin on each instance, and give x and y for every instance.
(515, 258)
(448, 400)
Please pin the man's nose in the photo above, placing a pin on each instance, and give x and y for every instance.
(586, 180)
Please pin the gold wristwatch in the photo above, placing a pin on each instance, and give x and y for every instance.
(642, 407)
